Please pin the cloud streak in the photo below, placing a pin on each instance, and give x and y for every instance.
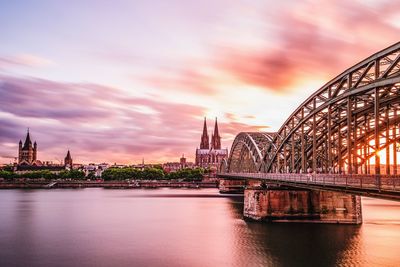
(312, 40)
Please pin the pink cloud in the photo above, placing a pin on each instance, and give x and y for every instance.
(314, 40)
(26, 60)
(311, 41)
(185, 78)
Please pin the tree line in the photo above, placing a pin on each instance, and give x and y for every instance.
(152, 174)
(112, 174)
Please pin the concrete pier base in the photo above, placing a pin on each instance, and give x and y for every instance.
(227, 186)
(286, 205)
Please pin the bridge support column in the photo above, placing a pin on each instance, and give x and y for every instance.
(231, 186)
(292, 205)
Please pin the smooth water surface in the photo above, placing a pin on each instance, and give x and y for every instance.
(180, 227)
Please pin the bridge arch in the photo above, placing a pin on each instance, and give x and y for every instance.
(247, 151)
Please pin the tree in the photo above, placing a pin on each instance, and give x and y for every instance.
(8, 175)
(46, 174)
(91, 175)
(153, 174)
(71, 174)
(120, 174)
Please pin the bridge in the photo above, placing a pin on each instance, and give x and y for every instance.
(340, 143)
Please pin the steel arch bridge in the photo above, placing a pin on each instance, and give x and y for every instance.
(346, 126)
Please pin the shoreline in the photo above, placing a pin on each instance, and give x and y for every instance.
(106, 184)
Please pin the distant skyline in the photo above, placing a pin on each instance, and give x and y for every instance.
(124, 80)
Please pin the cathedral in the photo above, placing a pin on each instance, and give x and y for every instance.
(210, 154)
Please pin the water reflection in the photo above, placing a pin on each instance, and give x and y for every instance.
(292, 244)
(177, 227)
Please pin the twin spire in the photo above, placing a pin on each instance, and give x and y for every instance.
(215, 138)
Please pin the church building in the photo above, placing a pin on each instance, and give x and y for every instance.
(68, 160)
(27, 154)
(210, 154)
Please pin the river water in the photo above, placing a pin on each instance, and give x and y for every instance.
(180, 227)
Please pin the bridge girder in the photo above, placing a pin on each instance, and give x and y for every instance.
(247, 152)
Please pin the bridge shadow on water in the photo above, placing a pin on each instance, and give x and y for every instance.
(294, 244)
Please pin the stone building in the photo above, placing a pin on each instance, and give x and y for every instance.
(176, 166)
(27, 154)
(210, 154)
(68, 160)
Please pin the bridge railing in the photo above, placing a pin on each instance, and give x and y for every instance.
(359, 181)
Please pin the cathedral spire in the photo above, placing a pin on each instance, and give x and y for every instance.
(216, 133)
(204, 144)
(216, 140)
(205, 127)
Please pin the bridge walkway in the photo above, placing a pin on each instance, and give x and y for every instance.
(378, 186)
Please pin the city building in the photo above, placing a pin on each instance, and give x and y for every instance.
(176, 166)
(96, 169)
(210, 154)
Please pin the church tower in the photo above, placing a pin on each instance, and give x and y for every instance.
(216, 138)
(20, 152)
(68, 160)
(27, 154)
(204, 144)
(34, 151)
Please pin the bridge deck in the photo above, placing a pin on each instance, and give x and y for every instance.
(379, 186)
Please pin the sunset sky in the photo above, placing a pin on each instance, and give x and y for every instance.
(118, 81)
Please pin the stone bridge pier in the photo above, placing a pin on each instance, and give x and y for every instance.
(232, 186)
(273, 203)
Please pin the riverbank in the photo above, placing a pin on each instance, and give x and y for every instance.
(105, 184)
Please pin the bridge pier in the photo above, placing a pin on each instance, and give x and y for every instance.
(231, 186)
(294, 205)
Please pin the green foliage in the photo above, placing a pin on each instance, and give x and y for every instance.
(113, 174)
(46, 174)
(71, 174)
(121, 174)
(153, 174)
(8, 175)
(131, 173)
(91, 175)
(158, 166)
(9, 168)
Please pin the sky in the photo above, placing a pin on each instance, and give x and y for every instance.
(119, 81)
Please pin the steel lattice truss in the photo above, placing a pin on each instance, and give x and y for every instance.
(247, 152)
(337, 129)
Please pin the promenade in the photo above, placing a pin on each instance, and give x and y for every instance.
(103, 184)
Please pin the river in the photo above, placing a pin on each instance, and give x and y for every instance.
(180, 227)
